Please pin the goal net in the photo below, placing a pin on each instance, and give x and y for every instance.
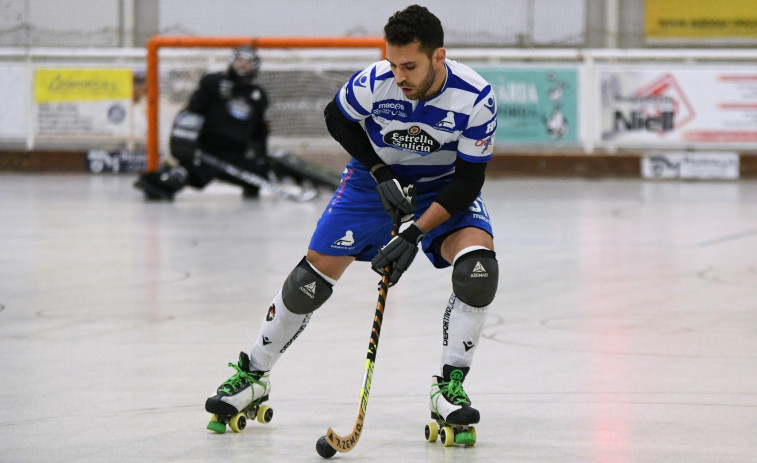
(300, 80)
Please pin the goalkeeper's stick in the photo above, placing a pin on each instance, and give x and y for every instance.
(348, 442)
(257, 180)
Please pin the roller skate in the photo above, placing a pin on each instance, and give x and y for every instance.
(240, 398)
(163, 183)
(451, 409)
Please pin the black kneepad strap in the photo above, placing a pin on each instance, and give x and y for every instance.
(305, 290)
(475, 277)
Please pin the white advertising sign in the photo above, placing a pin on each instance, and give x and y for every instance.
(691, 165)
(655, 106)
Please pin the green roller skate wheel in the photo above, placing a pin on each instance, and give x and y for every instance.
(216, 426)
(465, 438)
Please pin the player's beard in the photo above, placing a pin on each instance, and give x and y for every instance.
(421, 89)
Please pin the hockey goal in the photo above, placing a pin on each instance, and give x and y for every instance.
(300, 74)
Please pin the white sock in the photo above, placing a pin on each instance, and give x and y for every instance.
(278, 332)
(462, 329)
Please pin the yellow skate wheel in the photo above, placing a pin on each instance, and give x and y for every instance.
(432, 431)
(238, 422)
(216, 426)
(265, 414)
(447, 435)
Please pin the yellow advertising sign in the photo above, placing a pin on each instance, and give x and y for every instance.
(701, 19)
(59, 85)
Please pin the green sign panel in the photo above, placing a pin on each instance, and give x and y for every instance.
(535, 105)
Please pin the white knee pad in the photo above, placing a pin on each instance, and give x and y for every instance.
(461, 329)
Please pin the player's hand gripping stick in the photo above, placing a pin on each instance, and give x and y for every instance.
(397, 200)
(400, 251)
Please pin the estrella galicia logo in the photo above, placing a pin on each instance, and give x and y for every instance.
(412, 139)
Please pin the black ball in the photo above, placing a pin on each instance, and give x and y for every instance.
(323, 448)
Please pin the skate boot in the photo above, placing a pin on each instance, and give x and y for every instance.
(239, 398)
(451, 409)
(163, 183)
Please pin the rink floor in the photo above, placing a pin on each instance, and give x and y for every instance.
(624, 329)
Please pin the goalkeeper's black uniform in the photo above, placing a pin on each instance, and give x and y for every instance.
(234, 129)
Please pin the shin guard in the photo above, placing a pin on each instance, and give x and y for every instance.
(462, 329)
(278, 332)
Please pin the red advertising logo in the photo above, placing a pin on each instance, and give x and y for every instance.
(666, 87)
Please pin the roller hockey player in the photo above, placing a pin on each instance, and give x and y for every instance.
(417, 119)
(225, 118)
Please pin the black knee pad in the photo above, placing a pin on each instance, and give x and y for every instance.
(475, 277)
(305, 290)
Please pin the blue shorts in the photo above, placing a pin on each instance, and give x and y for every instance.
(356, 224)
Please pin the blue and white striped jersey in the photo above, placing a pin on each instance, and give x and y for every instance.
(421, 140)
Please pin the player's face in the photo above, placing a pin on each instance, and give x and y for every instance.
(242, 66)
(419, 76)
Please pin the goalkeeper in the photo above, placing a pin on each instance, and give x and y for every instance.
(225, 117)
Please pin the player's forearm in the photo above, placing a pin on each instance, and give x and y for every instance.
(465, 186)
(434, 215)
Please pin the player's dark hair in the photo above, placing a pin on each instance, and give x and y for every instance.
(415, 23)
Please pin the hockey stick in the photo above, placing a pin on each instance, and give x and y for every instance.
(254, 179)
(284, 163)
(347, 443)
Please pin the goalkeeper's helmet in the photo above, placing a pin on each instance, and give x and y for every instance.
(244, 63)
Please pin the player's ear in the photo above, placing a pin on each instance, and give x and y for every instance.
(440, 54)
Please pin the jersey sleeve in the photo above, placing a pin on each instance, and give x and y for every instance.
(355, 98)
(203, 95)
(477, 140)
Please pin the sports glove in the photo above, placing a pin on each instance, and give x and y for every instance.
(398, 201)
(400, 251)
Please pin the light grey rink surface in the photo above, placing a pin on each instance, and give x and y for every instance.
(624, 329)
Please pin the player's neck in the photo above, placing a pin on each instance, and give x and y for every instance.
(438, 85)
